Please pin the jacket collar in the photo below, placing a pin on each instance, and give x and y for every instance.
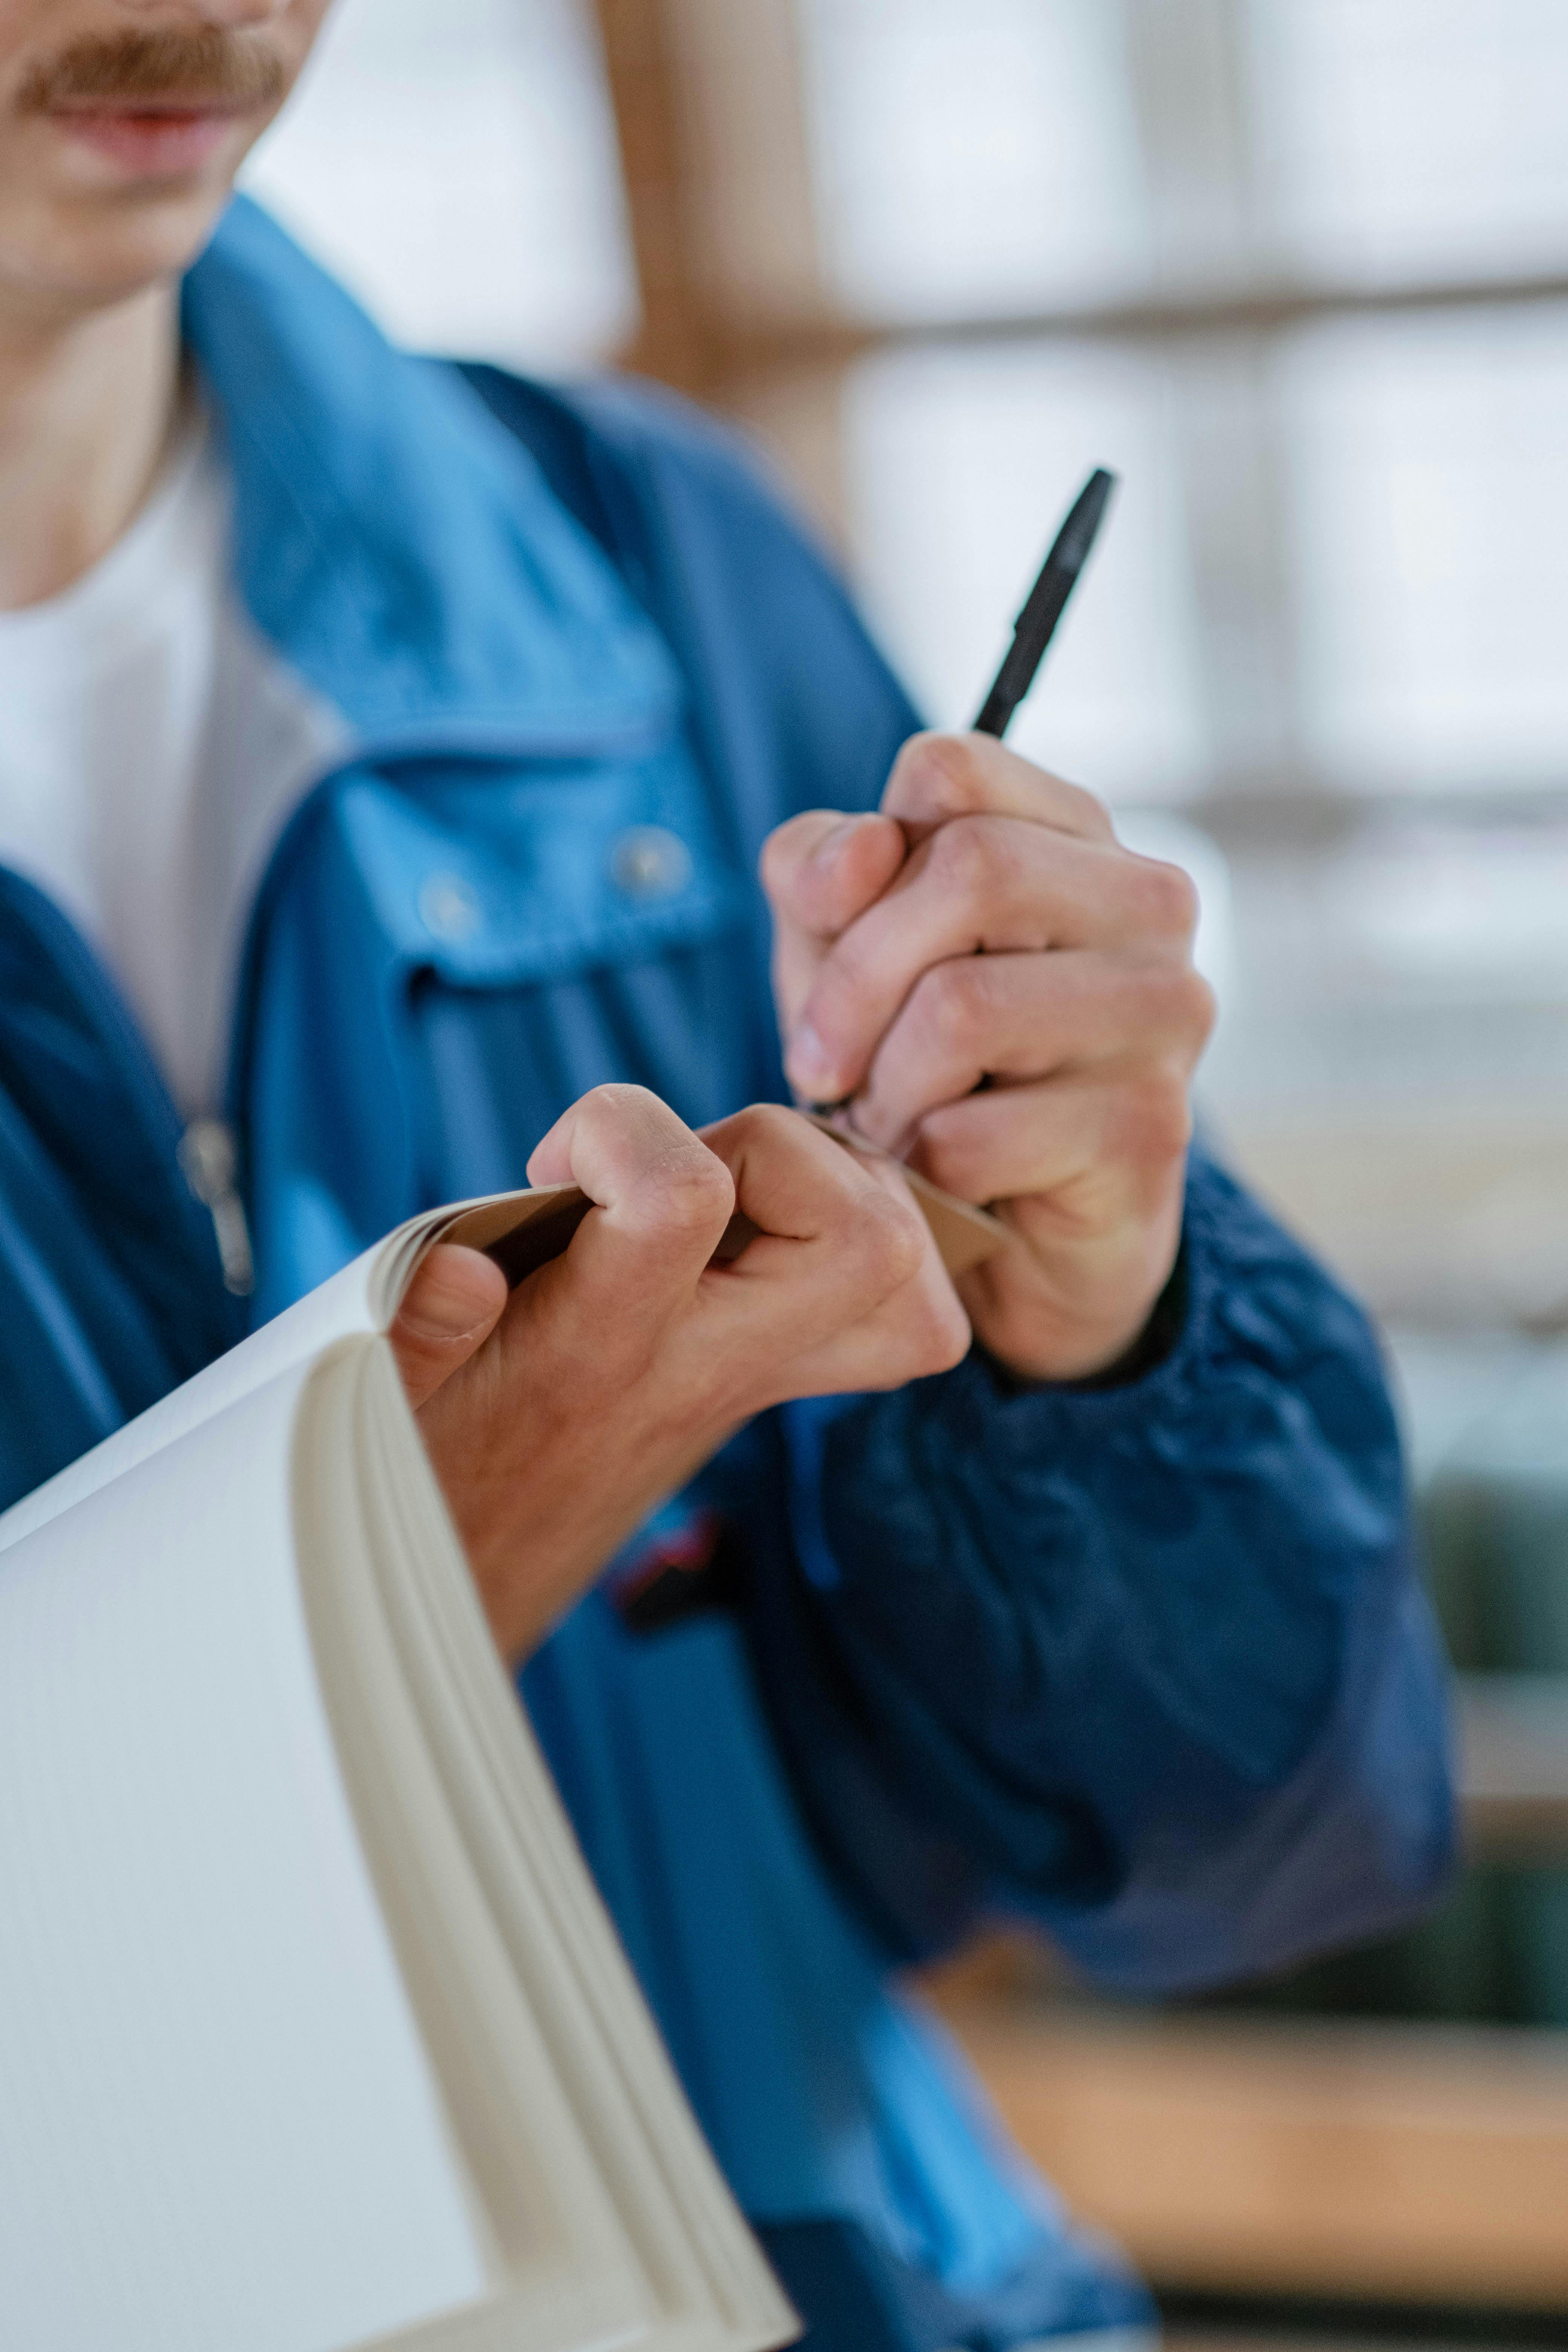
(394, 542)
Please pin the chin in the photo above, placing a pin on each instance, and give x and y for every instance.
(91, 254)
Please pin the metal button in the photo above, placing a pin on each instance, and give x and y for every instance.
(650, 862)
(449, 907)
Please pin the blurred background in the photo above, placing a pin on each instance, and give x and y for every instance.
(1299, 270)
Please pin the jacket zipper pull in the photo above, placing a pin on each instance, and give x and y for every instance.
(208, 1162)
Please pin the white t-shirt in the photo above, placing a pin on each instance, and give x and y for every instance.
(151, 745)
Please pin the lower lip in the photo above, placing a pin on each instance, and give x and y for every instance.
(150, 146)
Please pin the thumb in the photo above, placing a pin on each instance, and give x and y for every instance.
(452, 1305)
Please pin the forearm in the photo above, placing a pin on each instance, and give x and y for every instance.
(1110, 1654)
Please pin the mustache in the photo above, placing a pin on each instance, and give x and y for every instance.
(204, 67)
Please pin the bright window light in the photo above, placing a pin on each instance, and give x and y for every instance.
(972, 159)
(456, 165)
(960, 464)
(1412, 139)
(1427, 474)
(1461, 911)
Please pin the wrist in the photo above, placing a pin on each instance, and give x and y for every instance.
(1156, 1340)
(539, 1521)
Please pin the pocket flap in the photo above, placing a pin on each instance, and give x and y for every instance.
(494, 878)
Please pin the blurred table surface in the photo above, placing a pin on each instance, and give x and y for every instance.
(1243, 2155)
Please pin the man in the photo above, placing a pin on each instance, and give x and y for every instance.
(385, 754)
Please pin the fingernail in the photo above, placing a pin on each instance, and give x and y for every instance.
(828, 847)
(811, 1066)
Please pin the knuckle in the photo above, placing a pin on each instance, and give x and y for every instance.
(940, 773)
(614, 1100)
(1171, 1000)
(1168, 897)
(889, 1239)
(675, 1185)
(949, 1005)
(1088, 813)
(1197, 1007)
(768, 1127)
(690, 1192)
(963, 857)
(1157, 1121)
(932, 1335)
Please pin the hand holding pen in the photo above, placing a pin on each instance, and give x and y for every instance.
(1007, 997)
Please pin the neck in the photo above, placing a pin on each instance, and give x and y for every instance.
(86, 409)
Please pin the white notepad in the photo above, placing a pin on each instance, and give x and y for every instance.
(313, 2030)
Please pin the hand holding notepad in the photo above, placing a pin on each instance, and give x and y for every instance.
(667, 1288)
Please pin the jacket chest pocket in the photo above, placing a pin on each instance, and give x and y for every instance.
(543, 932)
(491, 880)
(447, 957)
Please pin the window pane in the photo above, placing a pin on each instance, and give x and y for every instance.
(960, 464)
(457, 166)
(1459, 914)
(1428, 470)
(1413, 139)
(975, 158)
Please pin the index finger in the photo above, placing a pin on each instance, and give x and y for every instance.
(936, 777)
(662, 1201)
(838, 1231)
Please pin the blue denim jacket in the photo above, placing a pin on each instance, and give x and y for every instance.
(1148, 1665)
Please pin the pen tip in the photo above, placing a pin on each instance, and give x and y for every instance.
(1078, 531)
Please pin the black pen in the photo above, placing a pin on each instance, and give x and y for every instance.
(1036, 626)
(1045, 604)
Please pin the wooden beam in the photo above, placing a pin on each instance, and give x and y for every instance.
(708, 117)
(678, 340)
(826, 340)
(1251, 2157)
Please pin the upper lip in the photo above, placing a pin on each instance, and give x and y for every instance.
(174, 103)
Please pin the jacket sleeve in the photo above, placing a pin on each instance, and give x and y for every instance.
(1149, 1665)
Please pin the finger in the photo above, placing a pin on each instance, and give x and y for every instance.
(936, 777)
(844, 1288)
(1098, 1147)
(822, 869)
(987, 883)
(1024, 1016)
(924, 1329)
(662, 1201)
(453, 1304)
(921, 1327)
(838, 1232)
